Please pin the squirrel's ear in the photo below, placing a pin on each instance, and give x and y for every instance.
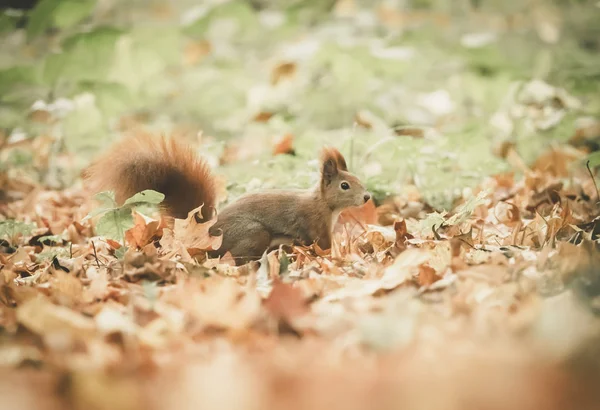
(340, 160)
(329, 171)
(334, 155)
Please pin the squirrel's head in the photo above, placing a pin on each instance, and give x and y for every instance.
(340, 188)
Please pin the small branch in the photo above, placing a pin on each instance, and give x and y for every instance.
(587, 165)
(95, 254)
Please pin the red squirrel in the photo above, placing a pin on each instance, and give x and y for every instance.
(255, 222)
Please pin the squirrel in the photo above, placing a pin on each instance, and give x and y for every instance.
(255, 222)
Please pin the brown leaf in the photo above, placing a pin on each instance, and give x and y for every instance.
(284, 145)
(507, 213)
(460, 241)
(360, 120)
(282, 71)
(98, 283)
(67, 289)
(427, 275)
(195, 52)
(587, 134)
(363, 215)
(285, 302)
(44, 318)
(556, 161)
(143, 232)
(190, 235)
(41, 116)
(221, 303)
(263, 116)
(402, 234)
(96, 390)
(113, 244)
(410, 131)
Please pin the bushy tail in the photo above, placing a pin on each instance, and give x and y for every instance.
(162, 164)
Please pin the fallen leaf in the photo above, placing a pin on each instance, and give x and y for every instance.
(282, 71)
(427, 276)
(190, 235)
(285, 302)
(284, 145)
(361, 216)
(195, 52)
(263, 116)
(223, 304)
(45, 318)
(402, 234)
(143, 232)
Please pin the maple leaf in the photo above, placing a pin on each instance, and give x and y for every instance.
(190, 235)
(143, 231)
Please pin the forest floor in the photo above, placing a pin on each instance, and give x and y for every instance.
(472, 281)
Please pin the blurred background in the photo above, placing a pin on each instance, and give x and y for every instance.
(428, 93)
(425, 98)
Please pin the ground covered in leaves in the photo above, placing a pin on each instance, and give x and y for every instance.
(471, 282)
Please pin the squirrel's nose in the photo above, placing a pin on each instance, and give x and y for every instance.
(367, 197)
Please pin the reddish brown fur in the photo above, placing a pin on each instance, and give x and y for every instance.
(334, 155)
(165, 165)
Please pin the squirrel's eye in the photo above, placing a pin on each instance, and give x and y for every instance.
(345, 186)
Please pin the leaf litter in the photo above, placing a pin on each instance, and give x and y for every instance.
(490, 303)
(486, 286)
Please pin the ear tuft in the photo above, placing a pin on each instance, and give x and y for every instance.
(330, 153)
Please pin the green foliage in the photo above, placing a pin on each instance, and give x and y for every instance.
(114, 223)
(50, 239)
(115, 220)
(62, 14)
(437, 220)
(11, 230)
(240, 13)
(12, 77)
(145, 197)
(85, 56)
(127, 60)
(50, 253)
(465, 210)
(112, 99)
(594, 159)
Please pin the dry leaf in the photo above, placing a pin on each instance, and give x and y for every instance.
(402, 234)
(195, 52)
(427, 275)
(143, 231)
(191, 235)
(359, 217)
(44, 318)
(224, 304)
(285, 302)
(284, 145)
(263, 116)
(282, 71)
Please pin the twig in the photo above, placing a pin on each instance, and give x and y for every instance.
(352, 145)
(95, 254)
(587, 165)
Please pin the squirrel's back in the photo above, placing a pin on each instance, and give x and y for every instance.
(162, 164)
